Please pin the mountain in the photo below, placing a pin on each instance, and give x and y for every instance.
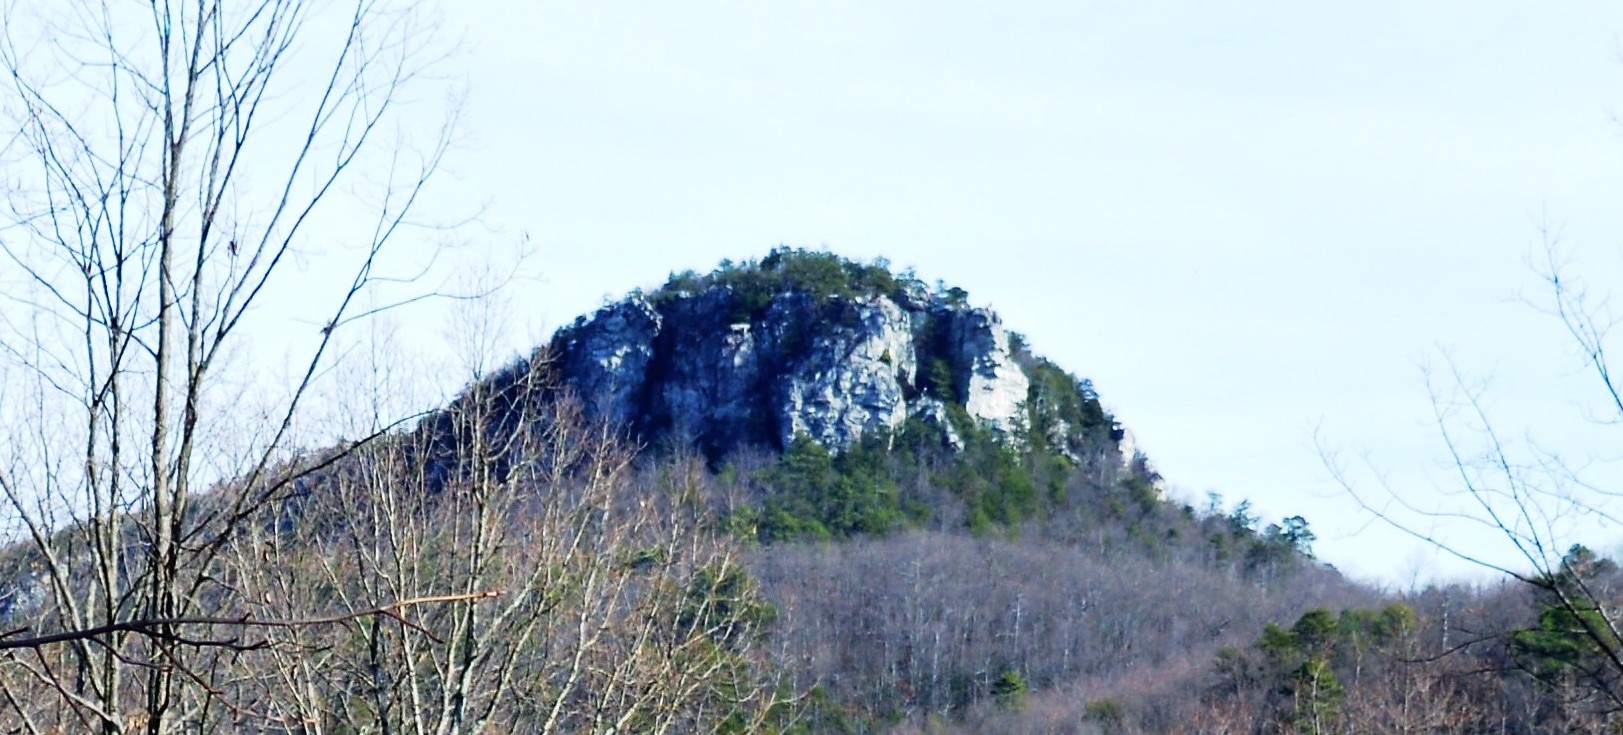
(991, 521)
(806, 343)
(798, 494)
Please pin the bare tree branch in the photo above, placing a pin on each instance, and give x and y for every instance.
(160, 628)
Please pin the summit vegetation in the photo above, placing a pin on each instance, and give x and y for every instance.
(820, 275)
(194, 545)
(510, 565)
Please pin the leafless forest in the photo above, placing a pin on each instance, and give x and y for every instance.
(195, 543)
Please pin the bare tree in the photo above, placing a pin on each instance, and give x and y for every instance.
(1536, 502)
(619, 609)
(166, 164)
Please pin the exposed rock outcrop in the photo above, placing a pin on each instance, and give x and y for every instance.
(853, 379)
(994, 387)
(725, 363)
(608, 363)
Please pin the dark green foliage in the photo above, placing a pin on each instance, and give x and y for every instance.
(992, 480)
(1298, 666)
(687, 280)
(1241, 519)
(1303, 668)
(939, 381)
(815, 494)
(1564, 644)
(1065, 421)
(818, 275)
(1315, 632)
(643, 559)
(1108, 713)
(1396, 622)
(1232, 539)
(1293, 534)
(993, 486)
(1062, 409)
(812, 493)
(1573, 638)
(1278, 549)
(1361, 629)
(1141, 492)
(990, 486)
(1318, 695)
(1009, 691)
(726, 604)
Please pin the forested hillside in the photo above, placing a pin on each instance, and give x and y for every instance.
(959, 576)
(826, 518)
(942, 571)
(791, 494)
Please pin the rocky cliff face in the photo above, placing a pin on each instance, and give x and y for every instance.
(726, 364)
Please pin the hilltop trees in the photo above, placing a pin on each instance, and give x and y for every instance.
(817, 494)
(816, 274)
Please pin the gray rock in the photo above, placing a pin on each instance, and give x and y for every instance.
(993, 387)
(851, 381)
(607, 357)
(712, 373)
(716, 369)
(934, 413)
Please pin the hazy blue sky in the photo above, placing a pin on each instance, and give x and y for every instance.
(1242, 220)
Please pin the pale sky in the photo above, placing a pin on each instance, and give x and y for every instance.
(1242, 220)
